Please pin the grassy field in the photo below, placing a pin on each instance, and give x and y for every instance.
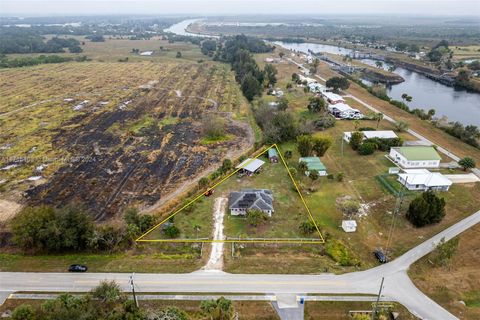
(457, 282)
(158, 258)
(41, 101)
(113, 49)
(466, 53)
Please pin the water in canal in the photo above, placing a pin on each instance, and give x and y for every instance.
(457, 105)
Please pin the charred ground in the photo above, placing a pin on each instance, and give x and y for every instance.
(140, 151)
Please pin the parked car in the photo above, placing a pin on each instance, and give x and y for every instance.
(380, 256)
(77, 268)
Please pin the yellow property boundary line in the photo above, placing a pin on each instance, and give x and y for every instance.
(313, 241)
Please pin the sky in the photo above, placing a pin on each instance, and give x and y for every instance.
(234, 7)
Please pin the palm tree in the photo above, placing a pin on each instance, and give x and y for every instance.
(356, 123)
(378, 117)
(220, 309)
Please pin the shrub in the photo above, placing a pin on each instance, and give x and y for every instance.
(330, 176)
(307, 227)
(23, 312)
(324, 122)
(256, 217)
(172, 231)
(356, 140)
(340, 176)
(54, 230)
(366, 148)
(366, 129)
(336, 250)
(426, 209)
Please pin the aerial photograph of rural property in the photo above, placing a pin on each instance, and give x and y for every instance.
(239, 159)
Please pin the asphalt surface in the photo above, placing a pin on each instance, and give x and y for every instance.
(397, 287)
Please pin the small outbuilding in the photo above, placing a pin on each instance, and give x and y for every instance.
(314, 164)
(272, 155)
(250, 166)
(349, 225)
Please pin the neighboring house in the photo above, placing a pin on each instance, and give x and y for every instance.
(314, 164)
(250, 166)
(272, 155)
(239, 202)
(422, 179)
(146, 53)
(415, 157)
(387, 134)
(349, 225)
(332, 98)
(316, 87)
(344, 111)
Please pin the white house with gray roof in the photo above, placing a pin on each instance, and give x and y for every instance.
(250, 199)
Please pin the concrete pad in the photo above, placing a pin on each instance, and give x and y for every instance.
(287, 300)
(4, 296)
(462, 178)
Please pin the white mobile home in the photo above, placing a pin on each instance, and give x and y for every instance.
(415, 157)
(422, 179)
(386, 134)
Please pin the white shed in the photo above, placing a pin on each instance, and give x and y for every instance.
(349, 225)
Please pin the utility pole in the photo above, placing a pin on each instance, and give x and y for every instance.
(132, 285)
(375, 308)
(396, 211)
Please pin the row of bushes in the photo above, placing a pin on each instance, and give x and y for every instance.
(31, 61)
(70, 228)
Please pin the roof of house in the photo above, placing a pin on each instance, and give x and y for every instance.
(386, 134)
(428, 179)
(332, 96)
(251, 164)
(418, 153)
(342, 107)
(313, 163)
(260, 199)
(349, 223)
(272, 152)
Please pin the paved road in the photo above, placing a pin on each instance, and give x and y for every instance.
(397, 287)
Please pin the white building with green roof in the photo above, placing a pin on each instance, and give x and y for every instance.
(314, 164)
(415, 157)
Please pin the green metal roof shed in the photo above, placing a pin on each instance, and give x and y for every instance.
(272, 152)
(313, 163)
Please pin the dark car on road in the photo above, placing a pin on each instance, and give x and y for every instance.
(380, 256)
(77, 268)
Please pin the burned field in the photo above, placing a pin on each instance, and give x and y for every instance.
(147, 146)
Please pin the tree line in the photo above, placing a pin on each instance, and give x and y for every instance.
(70, 228)
(5, 62)
(31, 42)
(108, 302)
(238, 51)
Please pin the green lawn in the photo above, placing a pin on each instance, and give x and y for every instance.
(151, 258)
